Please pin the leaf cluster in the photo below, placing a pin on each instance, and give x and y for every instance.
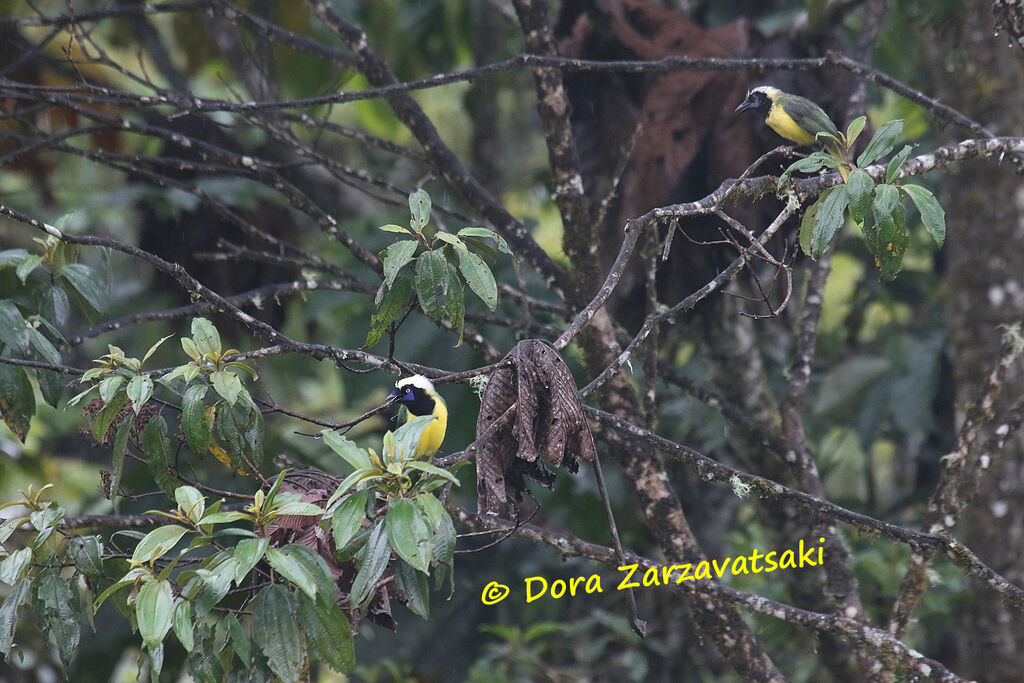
(432, 265)
(50, 281)
(878, 208)
(188, 575)
(230, 426)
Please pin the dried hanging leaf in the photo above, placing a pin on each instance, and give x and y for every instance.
(316, 486)
(549, 421)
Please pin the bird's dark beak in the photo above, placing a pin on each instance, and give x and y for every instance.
(748, 103)
(393, 396)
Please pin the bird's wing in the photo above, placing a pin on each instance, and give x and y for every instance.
(807, 114)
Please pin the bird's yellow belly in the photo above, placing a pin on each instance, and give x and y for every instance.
(783, 124)
(433, 435)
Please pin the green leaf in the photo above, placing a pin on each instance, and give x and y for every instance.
(54, 305)
(190, 348)
(51, 384)
(887, 198)
(881, 143)
(241, 428)
(892, 171)
(292, 570)
(205, 337)
(139, 390)
(17, 400)
(276, 630)
(26, 267)
(432, 508)
(191, 502)
(158, 543)
(443, 554)
(45, 520)
(92, 288)
(409, 532)
(432, 283)
(391, 227)
(348, 518)
(182, 622)
(859, 185)
(240, 640)
(101, 423)
(248, 552)
(227, 384)
(419, 207)
(354, 479)
(810, 164)
(887, 237)
(117, 460)
(448, 238)
(110, 385)
(10, 525)
(196, 423)
(432, 469)
(388, 442)
(392, 307)
(485, 232)
(154, 347)
(52, 605)
(395, 257)
(87, 553)
(216, 583)
(154, 611)
(9, 614)
(349, 452)
(128, 579)
(156, 446)
(300, 508)
(375, 554)
(14, 565)
(932, 214)
(455, 302)
(830, 218)
(12, 257)
(315, 567)
(13, 327)
(854, 129)
(478, 276)
(328, 632)
(405, 439)
(414, 586)
(225, 517)
(809, 221)
(255, 428)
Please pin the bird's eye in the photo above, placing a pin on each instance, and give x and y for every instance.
(408, 390)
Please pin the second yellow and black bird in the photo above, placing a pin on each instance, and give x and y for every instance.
(795, 118)
(419, 397)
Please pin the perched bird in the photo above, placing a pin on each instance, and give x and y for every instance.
(418, 396)
(793, 117)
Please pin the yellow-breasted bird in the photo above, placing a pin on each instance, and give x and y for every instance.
(795, 118)
(419, 397)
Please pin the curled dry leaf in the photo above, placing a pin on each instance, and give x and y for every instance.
(548, 421)
(316, 486)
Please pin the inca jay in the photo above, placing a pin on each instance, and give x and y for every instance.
(417, 395)
(793, 117)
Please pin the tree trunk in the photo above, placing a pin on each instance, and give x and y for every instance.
(985, 214)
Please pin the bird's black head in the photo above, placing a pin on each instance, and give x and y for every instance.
(757, 100)
(414, 394)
